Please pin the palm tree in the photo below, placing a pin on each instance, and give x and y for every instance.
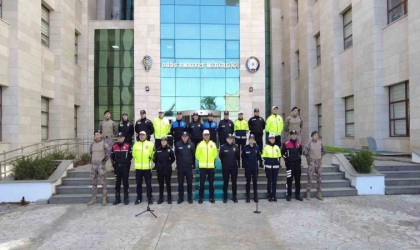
(208, 103)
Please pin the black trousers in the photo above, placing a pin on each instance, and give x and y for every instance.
(222, 140)
(162, 180)
(272, 175)
(241, 143)
(231, 173)
(121, 173)
(147, 175)
(293, 171)
(196, 142)
(251, 175)
(209, 173)
(259, 141)
(157, 143)
(185, 173)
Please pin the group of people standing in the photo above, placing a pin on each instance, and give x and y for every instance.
(200, 144)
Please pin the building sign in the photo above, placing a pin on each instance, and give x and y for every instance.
(252, 64)
(201, 65)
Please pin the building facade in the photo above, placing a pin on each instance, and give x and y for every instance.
(352, 67)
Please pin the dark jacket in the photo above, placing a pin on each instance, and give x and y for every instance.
(229, 155)
(177, 128)
(121, 155)
(250, 157)
(212, 128)
(185, 154)
(256, 125)
(145, 125)
(291, 151)
(225, 127)
(164, 157)
(127, 128)
(196, 130)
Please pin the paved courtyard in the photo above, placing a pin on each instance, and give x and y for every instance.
(375, 222)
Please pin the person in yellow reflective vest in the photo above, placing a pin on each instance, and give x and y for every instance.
(274, 125)
(143, 152)
(206, 154)
(161, 127)
(271, 155)
(241, 128)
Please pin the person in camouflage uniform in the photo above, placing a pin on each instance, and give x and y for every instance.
(314, 150)
(99, 154)
(108, 129)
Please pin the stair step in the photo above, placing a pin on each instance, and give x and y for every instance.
(402, 167)
(402, 182)
(84, 198)
(402, 190)
(401, 174)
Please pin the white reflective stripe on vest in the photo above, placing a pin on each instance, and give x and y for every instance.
(269, 166)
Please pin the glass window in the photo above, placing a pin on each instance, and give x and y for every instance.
(167, 87)
(44, 118)
(167, 49)
(318, 49)
(213, 86)
(167, 31)
(213, 14)
(127, 10)
(232, 15)
(187, 72)
(187, 14)
(349, 116)
(187, 103)
(213, 49)
(167, 14)
(399, 110)
(347, 29)
(188, 86)
(319, 110)
(232, 86)
(212, 31)
(187, 31)
(232, 49)
(187, 48)
(396, 9)
(232, 32)
(45, 26)
(187, 2)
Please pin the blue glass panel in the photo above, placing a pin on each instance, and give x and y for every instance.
(167, 103)
(232, 86)
(233, 72)
(187, 103)
(167, 31)
(167, 14)
(167, 72)
(187, 48)
(213, 31)
(188, 86)
(188, 2)
(213, 2)
(187, 14)
(167, 86)
(187, 31)
(167, 48)
(232, 32)
(213, 86)
(213, 49)
(167, 1)
(213, 72)
(232, 15)
(232, 49)
(213, 14)
(187, 72)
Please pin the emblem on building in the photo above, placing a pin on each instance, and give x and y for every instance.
(147, 62)
(252, 64)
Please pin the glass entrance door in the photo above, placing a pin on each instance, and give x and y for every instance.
(187, 115)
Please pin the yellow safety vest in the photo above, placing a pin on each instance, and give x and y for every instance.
(241, 125)
(143, 152)
(274, 124)
(161, 126)
(206, 154)
(271, 152)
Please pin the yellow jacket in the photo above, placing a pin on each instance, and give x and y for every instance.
(206, 154)
(274, 124)
(241, 125)
(143, 152)
(161, 126)
(271, 151)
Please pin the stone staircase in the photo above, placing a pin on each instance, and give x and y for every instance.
(75, 188)
(400, 177)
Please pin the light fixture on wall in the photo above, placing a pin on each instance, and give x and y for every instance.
(251, 89)
(147, 88)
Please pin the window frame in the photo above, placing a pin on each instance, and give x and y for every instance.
(345, 25)
(76, 109)
(389, 10)
(407, 110)
(48, 118)
(318, 48)
(346, 110)
(319, 115)
(44, 36)
(76, 48)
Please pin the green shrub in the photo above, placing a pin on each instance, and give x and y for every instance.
(362, 161)
(84, 159)
(26, 168)
(337, 150)
(60, 155)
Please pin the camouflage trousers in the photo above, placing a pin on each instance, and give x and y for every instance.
(109, 141)
(314, 172)
(98, 175)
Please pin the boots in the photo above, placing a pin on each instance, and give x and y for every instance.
(169, 199)
(247, 198)
(308, 195)
(160, 201)
(126, 199)
(104, 200)
(319, 196)
(92, 200)
(117, 199)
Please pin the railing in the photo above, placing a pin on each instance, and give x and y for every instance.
(76, 145)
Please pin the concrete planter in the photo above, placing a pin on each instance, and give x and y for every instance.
(366, 184)
(33, 190)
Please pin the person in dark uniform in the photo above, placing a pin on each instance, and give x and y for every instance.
(164, 157)
(271, 155)
(196, 130)
(256, 127)
(211, 126)
(178, 127)
(251, 154)
(127, 128)
(185, 163)
(229, 155)
(121, 156)
(225, 127)
(291, 151)
(144, 124)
